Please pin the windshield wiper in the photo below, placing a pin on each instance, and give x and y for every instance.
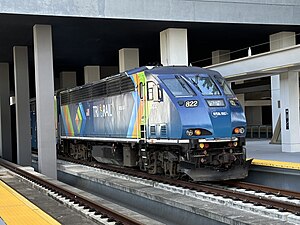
(195, 84)
(183, 84)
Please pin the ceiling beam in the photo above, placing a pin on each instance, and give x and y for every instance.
(260, 65)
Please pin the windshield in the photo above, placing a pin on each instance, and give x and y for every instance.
(178, 87)
(204, 84)
(224, 85)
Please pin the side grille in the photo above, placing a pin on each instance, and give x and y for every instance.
(153, 131)
(109, 86)
(64, 98)
(113, 87)
(80, 95)
(163, 130)
(126, 84)
(99, 89)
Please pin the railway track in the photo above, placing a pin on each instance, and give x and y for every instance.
(260, 188)
(95, 207)
(217, 190)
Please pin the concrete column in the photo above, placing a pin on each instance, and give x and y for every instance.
(220, 56)
(275, 96)
(128, 59)
(289, 92)
(282, 40)
(174, 47)
(5, 122)
(278, 41)
(67, 79)
(44, 82)
(23, 132)
(91, 74)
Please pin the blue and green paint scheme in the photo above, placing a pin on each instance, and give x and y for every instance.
(114, 116)
(121, 116)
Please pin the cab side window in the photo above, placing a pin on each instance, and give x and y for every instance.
(150, 90)
(141, 90)
(154, 92)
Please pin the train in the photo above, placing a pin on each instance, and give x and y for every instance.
(179, 121)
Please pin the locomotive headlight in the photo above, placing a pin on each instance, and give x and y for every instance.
(189, 132)
(215, 102)
(236, 130)
(242, 130)
(197, 132)
(239, 130)
(232, 102)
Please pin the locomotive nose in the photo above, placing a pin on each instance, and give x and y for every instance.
(221, 123)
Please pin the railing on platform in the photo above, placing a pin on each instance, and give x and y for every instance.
(259, 131)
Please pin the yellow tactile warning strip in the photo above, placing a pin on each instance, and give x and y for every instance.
(17, 210)
(278, 164)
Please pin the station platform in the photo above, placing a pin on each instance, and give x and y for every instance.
(265, 154)
(22, 204)
(15, 209)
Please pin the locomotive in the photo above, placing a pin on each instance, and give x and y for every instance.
(173, 120)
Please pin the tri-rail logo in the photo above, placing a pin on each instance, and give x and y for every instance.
(215, 114)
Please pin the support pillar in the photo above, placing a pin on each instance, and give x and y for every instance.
(174, 47)
(5, 120)
(278, 41)
(43, 57)
(289, 92)
(275, 96)
(23, 133)
(128, 59)
(91, 74)
(67, 79)
(220, 56)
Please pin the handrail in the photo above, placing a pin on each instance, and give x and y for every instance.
(260, 129)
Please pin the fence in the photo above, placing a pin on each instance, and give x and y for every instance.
(259, 131)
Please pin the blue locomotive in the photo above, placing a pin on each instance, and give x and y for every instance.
(178, 121)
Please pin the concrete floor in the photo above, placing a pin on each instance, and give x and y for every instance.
(261, 149)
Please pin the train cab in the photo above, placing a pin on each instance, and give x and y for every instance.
(200, 112)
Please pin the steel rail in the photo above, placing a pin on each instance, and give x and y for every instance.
(262, 188)
(75, 197)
